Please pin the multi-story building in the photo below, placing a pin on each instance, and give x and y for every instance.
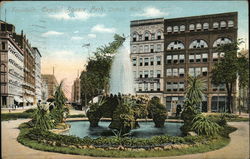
(147, 54)
(51, 82)
(12, 65)
(189, 49)
(44, 91)
(38, 78)
(75, 92)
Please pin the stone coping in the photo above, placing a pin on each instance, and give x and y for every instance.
(109, 119)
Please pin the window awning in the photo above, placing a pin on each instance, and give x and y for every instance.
(30, 100)
(18, 99)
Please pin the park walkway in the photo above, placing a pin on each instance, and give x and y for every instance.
(11, 149)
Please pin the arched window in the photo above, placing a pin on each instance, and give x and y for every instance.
(223, 24)
(221, 41)
(134, 37)
(191, 27)
(198, 26)
(146, 36)
(230, 23)
(205, 26)
(198, 44)
(159, 35)
(182, 28)
(169, 29)
(175, 45)
(215, 25)
(176, 28)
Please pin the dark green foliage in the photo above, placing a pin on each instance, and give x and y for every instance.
(204, 126)
(14, 116)
(187, 116)
(157, 111)
(228, 68)
(29, 111)
(42, 118)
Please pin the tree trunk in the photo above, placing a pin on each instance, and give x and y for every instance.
(229, 92)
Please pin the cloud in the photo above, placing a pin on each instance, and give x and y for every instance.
(51, 33)
(92, 35)
(76, 31)
(151, 12)
(76, 38)
(102, 29)
(77, 15)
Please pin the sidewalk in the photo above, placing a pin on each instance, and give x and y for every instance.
(238, 148)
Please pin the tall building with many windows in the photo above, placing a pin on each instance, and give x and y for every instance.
(38, 78)
(189, 49)
(51, 82)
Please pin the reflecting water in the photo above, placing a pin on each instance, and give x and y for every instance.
(147, 129)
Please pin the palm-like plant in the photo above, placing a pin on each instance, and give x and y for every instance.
(203, 126)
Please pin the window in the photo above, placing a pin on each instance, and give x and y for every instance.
(158, 86)
(158, 59)
(215, 56)
(3, 46)
(181, 58)
(3, 68)
(153, 36)
(151, 86)
(169, 72)
(159, 35)
(134, 49)
(222, 54)
(151, 48)
(215, 25)
(175, 86)
(176, 28)
(222, 87)
(205, 26)
(181, 72)
(140, 61)
(191, 27)
(204, 57)
(204, 71)
(140, 86)
(146, 61)
(146, 36)
(221, 41)
(191, 71)
(197, 71)
(198, 57)
(223, 24)
(141, 49)
(146, 49)
(134, 61)
(169, 58)
(140, 74)
(158, 73)
(175, 58)
(145, 74)
(158, 47)
(169, 29)
(230, 23)
(152, 61)
(175, 45)
(152, 73)
(214, 87)
(175, 71)
(182, 28)
(169, 86)
(198, 44)
(134, 37)
(191, 58)
(181, 86)
(198, 26)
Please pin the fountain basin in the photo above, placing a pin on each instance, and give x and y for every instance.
(146, 130)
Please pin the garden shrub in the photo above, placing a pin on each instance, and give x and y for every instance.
(32, 110)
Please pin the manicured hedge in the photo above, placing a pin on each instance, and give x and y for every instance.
(14, 116)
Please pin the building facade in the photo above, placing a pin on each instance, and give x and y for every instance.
(190, 49)
(44, 91)
(75, 92)
(38, 78)
(12, 66)
(51, 83)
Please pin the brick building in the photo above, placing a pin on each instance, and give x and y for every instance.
(51, 82)
(189, 49)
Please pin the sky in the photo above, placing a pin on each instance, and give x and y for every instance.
(60, 29)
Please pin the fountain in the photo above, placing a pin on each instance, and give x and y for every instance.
(122, 80)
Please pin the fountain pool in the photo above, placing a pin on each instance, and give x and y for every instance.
(146, 130)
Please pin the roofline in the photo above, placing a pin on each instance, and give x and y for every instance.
(35, 48)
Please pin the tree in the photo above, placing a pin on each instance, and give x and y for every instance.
(228, 68)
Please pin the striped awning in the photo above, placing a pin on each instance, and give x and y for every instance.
(18, 99)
